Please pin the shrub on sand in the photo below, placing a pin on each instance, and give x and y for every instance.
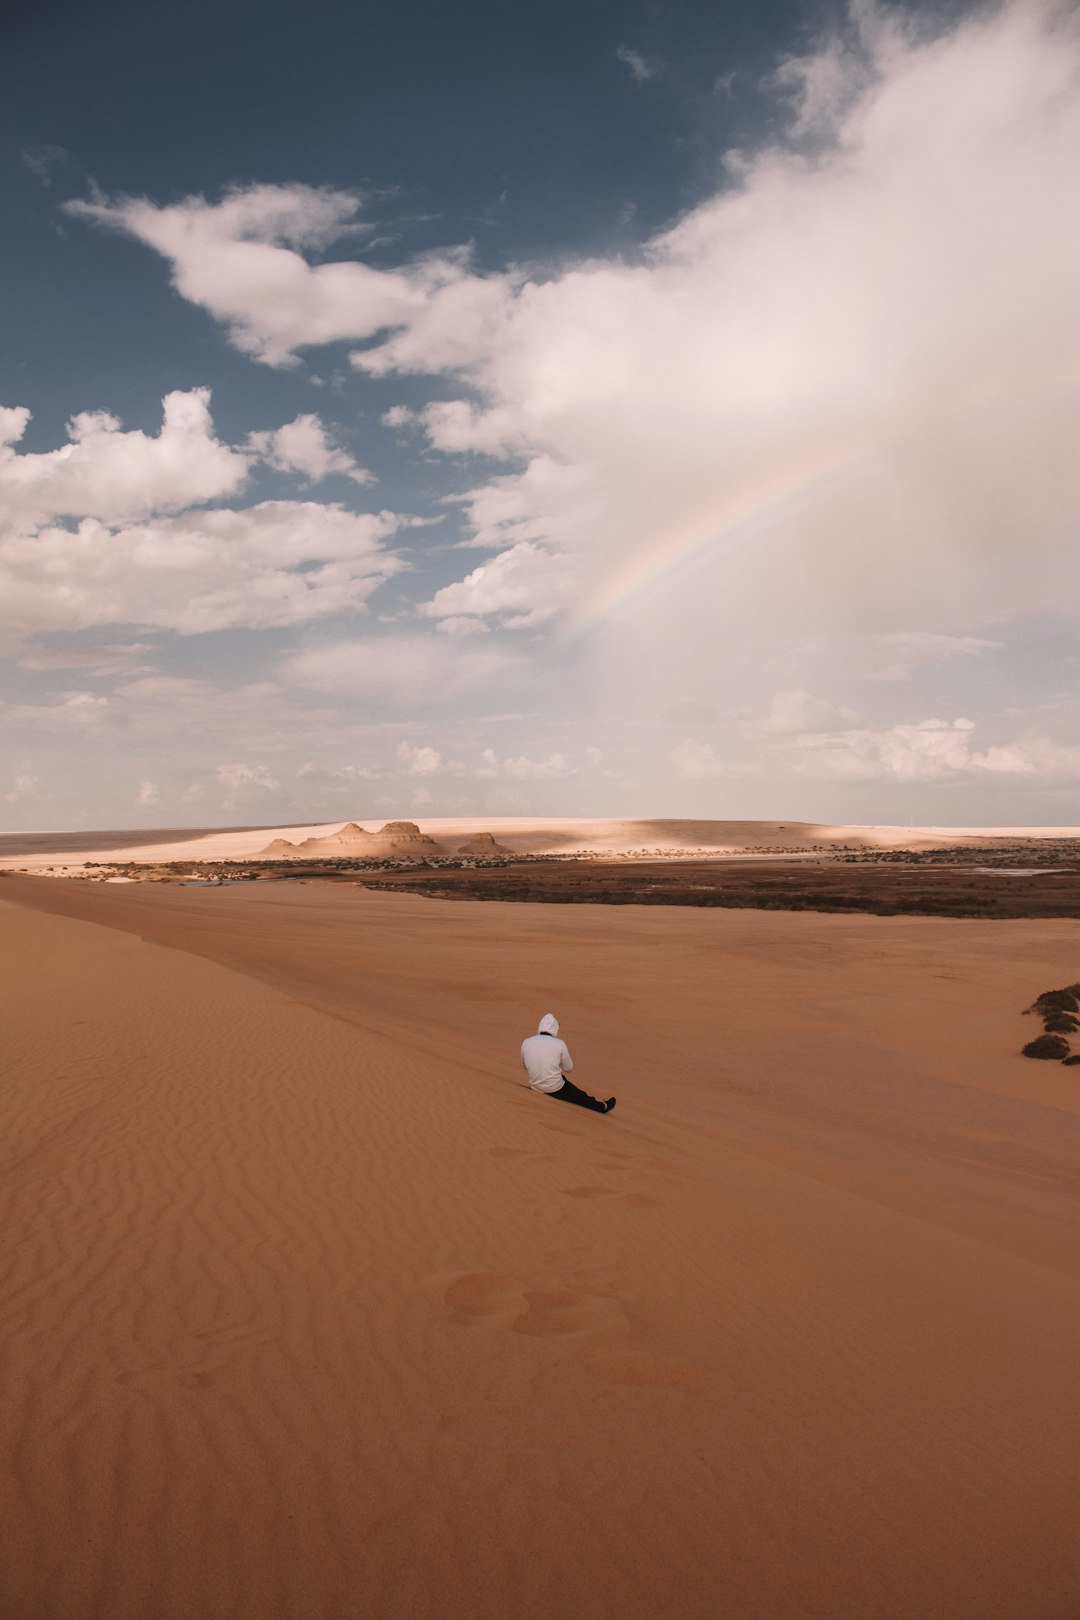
(1047, 1046)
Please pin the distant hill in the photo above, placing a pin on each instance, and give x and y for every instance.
(394, 839)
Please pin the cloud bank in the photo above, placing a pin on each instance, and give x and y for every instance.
(184, 566)
(813, 439)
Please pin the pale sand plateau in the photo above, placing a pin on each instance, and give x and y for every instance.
(313, 1312)
(524, 835)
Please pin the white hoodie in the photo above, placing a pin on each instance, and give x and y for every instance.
(544, 1057)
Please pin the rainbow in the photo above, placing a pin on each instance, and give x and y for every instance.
(754, 509)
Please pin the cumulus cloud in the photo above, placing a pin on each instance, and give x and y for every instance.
(831, 406)
(424, 761)
(522, 769)
(841, 376)
(149, 794)
(241, 259)
(276, 563)
(928, 751)
(113, 528)
(524, 586)
(243, 782)
(303, 446)
(106, 473)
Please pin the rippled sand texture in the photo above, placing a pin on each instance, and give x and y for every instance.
(311, 1313)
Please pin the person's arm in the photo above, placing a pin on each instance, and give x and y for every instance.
(567, 1062)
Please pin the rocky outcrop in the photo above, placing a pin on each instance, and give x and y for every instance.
(400, 840)
(404, 838)
(279, 847)
(483, 843)
(348, 840)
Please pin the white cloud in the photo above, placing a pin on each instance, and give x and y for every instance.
(639, 66)
(929, 751)
(343, 775)
(522, 769)
(106, 473)
(239, 259)
(303, 446)
(244, 782)
(277, 563)
(148, 795)
(398, 416)
(422, 761)
(839, 377)
(524, 586)
(831, 408)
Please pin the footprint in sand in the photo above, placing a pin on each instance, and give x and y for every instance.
(551, 1314)
(481, 1296)
(491, 1297)
(494, 1299)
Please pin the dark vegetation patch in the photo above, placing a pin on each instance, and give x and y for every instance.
(883, 889)
(1058, 1010)
(1047, 1046)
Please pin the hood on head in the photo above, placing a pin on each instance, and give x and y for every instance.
(549, 1025)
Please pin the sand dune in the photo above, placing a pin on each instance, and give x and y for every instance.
(520, 834)
(313, 1311)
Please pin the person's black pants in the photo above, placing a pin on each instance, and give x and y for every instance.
(570, 1093)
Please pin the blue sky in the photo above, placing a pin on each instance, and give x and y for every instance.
(620, 409)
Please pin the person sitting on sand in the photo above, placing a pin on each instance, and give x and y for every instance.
(546, 1060)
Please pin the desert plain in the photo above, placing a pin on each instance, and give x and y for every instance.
(312, 1311)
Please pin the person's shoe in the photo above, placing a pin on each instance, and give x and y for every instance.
(609, 1104)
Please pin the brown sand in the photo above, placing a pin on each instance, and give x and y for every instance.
(313, 1313)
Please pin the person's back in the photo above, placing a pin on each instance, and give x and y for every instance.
(546, 1060)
